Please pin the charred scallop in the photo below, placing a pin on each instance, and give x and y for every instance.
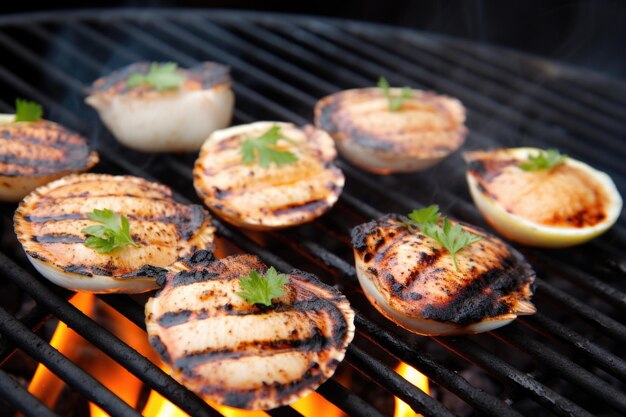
(542, 198)
(424, 129)
(33, 153)
(65, 241)
(268, 175)
(413, 280)
(159, 107)
(246, 355)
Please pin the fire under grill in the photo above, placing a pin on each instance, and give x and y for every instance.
(567, 360)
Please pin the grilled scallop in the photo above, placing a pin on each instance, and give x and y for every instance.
(34, 153)
(243, 355)
(411, 279)
(50, 220)
(563, 206)
(268, 198)
(427, 128)
(175, 119)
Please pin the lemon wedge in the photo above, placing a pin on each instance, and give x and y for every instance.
(561, 206)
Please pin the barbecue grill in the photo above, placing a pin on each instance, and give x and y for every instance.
(567, 360)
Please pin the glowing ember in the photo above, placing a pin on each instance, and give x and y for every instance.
(416, 378)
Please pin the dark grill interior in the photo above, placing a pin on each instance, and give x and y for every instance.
(567, 360)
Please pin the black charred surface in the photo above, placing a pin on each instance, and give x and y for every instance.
(58, 238)
(78, 269)
(175, 318)
(308, 206)
(199, 258)
(188, 363)
(159, 347)
(197, 216)
(193, 276)
(484, 296)
(324, 118)
(239, 399)
(148, 271)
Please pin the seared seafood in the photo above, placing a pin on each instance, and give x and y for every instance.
(247, 355)
(268, 197)
(411, 279)
(50, 224)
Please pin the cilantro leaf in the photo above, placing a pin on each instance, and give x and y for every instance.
(543, 160)
(259, 289)
(113, 233)
(394, 102)
(160, 76)
(453, 237)
(263, 149)
(27, 111)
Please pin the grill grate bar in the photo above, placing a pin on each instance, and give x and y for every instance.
(604, 359)
(62, 366)
(563, 367)
(539, 392)
(607, 324)
(21, 399)
(599, 112)
(104, 340)
(609, 101)
(415, 398)
(34, 319)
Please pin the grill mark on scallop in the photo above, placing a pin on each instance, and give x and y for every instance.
(315, 327)
(42, 148)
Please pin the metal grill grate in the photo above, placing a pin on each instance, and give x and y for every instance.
(573, 348)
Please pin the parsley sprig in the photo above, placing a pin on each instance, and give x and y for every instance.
(451, 236)
(543, 160)
(257, 288)
(263, 149)
(394, 102)
(113, 233)
(27, 111)
(160, 76)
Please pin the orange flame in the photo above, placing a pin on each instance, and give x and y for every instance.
(416, 378)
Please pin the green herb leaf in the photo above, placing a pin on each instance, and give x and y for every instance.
(27, 111)
(263, 149)
(394, 102)
(257, 288)
(113, 233)
(161, 76)
(543, 160)
(453, 237)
